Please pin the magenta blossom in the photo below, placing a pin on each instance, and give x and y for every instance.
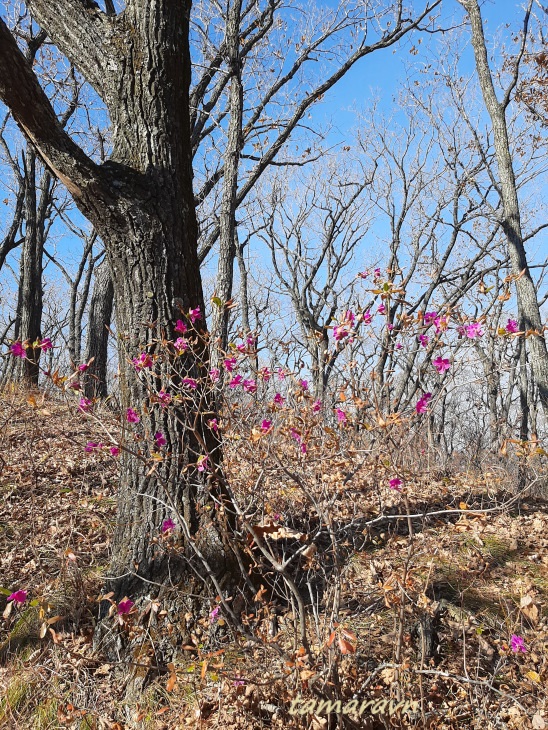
(303, 384)
(517, 643)
(399, 345)
(363, 274)
(512, 326)
(84, 405)
(180, 345)
(164, 398)
(125, 606)
(265, 374)
(83, 367)
(250, 386)
(377, 273)
(214, 374)
(441, 324)
(281, 374)
(160, 439)
(46, 344)
(422, 403)
(317, 406)
(367, 317)
(395, 484)
(441, 364)
(341, 416)
(213, 424)
(390, 326)
(132, 416)
(180, 326)
(381, 309)
(195, 314)
(202, 463)
(142, 361)
(17, 350)
(430, 317)
(91, 446)
(266, 425)
(190, 383)
(473, 330)
(279, 399)
(114, 450)
(230, 363)
(423, 339)
(214, 614)
(236, 380)
(18, 597)
(168, 525)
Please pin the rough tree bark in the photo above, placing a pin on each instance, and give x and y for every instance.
(100, 315)
(528, 309)
(142, 205)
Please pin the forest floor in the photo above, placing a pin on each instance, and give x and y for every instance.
(427, 618)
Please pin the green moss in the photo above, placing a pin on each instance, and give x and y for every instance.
(45, 715)
(17, 693)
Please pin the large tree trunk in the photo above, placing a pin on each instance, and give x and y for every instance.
(100, 314)
(142, 206)
(528, 309)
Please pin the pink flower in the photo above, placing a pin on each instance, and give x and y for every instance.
(423, 339)
(367, 317)
(303, 384)
(125, 606)
(250, 386)
(265, 374)
(230, 364)
(395, 484)
(164, 398)
(213, 424)
(441, 364)
(296, 435)
(236, 380)
(91, 446)
(160, 439)
(473, 330)
(238, 682)
(214, 614)
(132, 416)
(190, 383)
(279, 399)
(266, 425)
(83, 367)
(440, 324)
(430, 317)
(18, 597)
(84, 405)
(195, 314)
(17, 350)
(46, 344)
(214, 374)
(168, 525)
(180, 326)
(304, 448)
(317, 406)
(377, 272)
(114, 450)
(202, 463)
(250, 341)
(381, 309)
(180, 345)
(339, 332)
(517, 643)
(390, 327)
(281, 374)
(512, 326)
(422, 403)
(341, 416)
(363, 274)
(399, 345)
(142, 361)
(240, 347)
(75, 385)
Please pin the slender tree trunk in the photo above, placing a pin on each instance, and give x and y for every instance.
(30, 298)
(229, 204)
(528, 309)
(100, 314)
